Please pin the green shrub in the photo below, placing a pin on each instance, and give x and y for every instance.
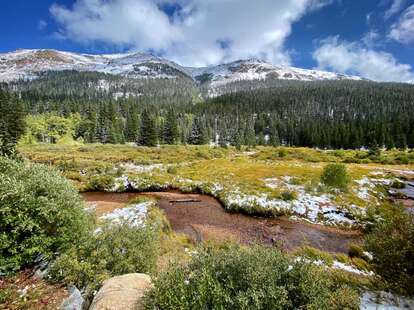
(172, 170)
(391, 243)
(360, 264)
(115, 250)
(288, 195)
(335, 175)
(398, 184)
(402, 159)
(355, 251)
(41, 213)
(100, 183)
(282, 153)
(232, 277)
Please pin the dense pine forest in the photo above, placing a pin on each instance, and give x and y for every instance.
(109, 109)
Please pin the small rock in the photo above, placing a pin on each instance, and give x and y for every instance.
(74, 301)
(122, 292)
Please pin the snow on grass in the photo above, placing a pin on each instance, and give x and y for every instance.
(335, 265)
(120, 184)
(315, 208)
(367, 187)
(351, 269)
(131, 167)
(385, 301)
(133, 216)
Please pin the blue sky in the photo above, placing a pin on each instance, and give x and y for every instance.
(370, 38)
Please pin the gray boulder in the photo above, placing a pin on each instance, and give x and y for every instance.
(74, 301)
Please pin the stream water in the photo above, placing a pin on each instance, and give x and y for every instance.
(202, 217)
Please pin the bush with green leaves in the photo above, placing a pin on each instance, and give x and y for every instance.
(391, 243)
(233, 277)
(109, 251)
(41, 213)
(336, 176)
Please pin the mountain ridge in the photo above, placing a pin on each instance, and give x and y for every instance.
(28, 63)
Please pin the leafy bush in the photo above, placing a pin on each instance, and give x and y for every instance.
(114, 250)
(100, 183)
(282, 153)
(288, 195)
(355, 251)
(41, 213)
(392, 244)
(232, 277)
(398, 184)
(335, 175)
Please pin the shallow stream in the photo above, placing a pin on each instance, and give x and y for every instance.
(202, 217)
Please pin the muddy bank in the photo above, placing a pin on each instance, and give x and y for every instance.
(202, 218)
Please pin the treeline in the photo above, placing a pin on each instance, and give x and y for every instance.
(335, 114)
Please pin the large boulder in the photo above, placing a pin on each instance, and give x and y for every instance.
(122, 292)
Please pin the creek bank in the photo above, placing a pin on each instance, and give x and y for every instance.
(202, 217)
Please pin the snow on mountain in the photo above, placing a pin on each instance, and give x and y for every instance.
(28, 64)
(254, 69)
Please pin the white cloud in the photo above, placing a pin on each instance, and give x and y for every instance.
(403, 30)
(354, 58)
(41, 25)
(371, 38)
(123, 23)
(202, 32)
(396, 6)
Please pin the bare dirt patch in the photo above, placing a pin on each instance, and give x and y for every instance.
(25, 291)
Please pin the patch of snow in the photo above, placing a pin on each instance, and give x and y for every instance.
(315, 208)
(121, 183)
(385, 301)
(368, 255)
(134, 216)
(366, 187)
(349, 268)
(131, 167)
(335, 265)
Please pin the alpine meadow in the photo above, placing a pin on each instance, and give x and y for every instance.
(184, 155)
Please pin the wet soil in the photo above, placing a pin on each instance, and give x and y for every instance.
(202, 217)
(26, 291)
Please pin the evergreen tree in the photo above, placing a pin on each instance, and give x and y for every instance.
(148, 132)
(196, 134)
(131, 127)
(171, 132)
(11, 122)
(250, 135)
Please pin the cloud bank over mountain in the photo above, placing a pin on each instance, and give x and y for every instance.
(191, 32)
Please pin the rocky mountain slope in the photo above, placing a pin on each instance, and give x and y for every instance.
(30, 64)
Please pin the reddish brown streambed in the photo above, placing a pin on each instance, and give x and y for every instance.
(203, 218)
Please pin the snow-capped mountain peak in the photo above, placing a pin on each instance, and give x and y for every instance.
(28, 64)
(255, 69)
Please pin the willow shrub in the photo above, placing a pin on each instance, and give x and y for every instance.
(391, 242)
(336, 176)
(41, 213)
(112, 250)
(232, 277)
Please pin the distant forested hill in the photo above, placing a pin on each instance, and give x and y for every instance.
(325, 114)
